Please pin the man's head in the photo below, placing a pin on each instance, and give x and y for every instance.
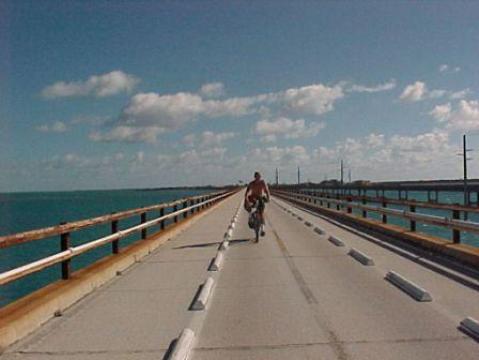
(257, 175)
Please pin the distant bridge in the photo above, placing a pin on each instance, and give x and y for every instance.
(431, 188)
(323, 283)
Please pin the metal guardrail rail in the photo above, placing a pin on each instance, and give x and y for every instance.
(67, 252)
(456, 225)
(392, 201)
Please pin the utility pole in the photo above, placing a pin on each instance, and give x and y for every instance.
(349, 175)
(342, 172)
(299, 176)
(277, 177)
(465, 159)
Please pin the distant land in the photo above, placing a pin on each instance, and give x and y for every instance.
(204, 187)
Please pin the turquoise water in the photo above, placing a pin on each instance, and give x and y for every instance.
(26, 211)
(444, 197)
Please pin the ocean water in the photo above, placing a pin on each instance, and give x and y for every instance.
(26, 211)
(444, 197)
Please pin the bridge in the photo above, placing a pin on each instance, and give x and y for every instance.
(313, 288)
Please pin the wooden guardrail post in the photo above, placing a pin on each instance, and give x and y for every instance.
(162, 223)
(384, 217)
(338, 207)
(185, 205)
(175, 208)
(412, 223)
(456, 234)
(365, 213)
(115, 244)
(192, 203)
(349, 208)
(65, 245)
(142, 221)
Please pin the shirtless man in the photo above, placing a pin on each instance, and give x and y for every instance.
(255, 189)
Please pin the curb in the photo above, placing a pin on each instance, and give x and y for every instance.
(361, 257)
(412, 289)
(202, 299)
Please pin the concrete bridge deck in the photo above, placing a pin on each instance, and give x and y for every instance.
(294, 295)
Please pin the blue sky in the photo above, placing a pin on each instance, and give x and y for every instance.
(98, 95)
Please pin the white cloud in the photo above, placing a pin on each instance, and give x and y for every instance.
(207, 139)
(56, 127)
(434, 94)
(378, 157)
(90, 120)
(289, 129)
(103, 85)
(194, 159)
(165, 111)
(414, 92)
(374, 141)
(268, 138)
(444, 68)
(147, 115)
(389, 85)
(127, 134)
(464, 117)
(313, 99)
(461, 94)
(441, 112)
(215, 89)
(71, 161)
(173, 111)
(419, 91)
(211, 139)
(278, 155)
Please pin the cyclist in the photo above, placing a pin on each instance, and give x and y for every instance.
(254, 192)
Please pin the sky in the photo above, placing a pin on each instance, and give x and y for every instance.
(133, 94)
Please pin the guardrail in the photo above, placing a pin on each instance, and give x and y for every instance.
(189, 206)
(387, 200)
(454, 223)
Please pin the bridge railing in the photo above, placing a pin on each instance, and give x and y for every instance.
(188, 206)
(455, 224)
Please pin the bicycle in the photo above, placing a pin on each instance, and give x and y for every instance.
(254, 221)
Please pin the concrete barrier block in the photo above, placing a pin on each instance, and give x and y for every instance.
(361, 257)
(308, 224)
(470, 326)
(183, 345)
(202, 298)
(319, 231)
(336, 241)
(300, 218)
(217, 262)
(412, 289)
